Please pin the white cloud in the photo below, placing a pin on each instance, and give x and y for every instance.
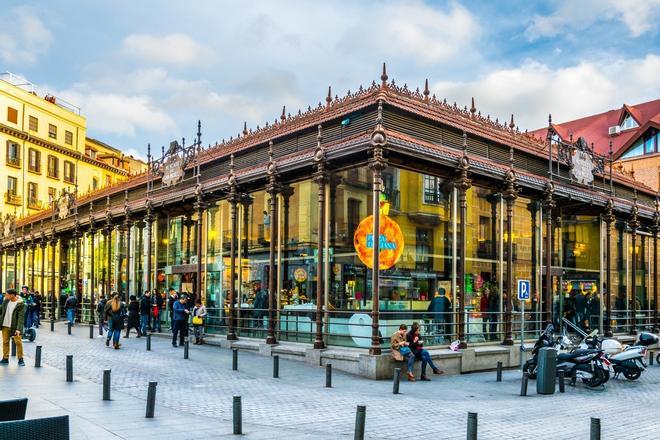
(176, 49)
(640, 16)
(23, 37)
(533, 90)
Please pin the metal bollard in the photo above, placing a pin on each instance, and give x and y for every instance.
(52, 325)
(523, 384)
(68, 324)
(595, 429)
(276, 367)
(106, 384)
(151, 400)
(69, 368)
(149, 342)
(562, 385)
(237, 416)
(328, 375)
(91, 331)
(472, 426)
(397, 379)
(360, 416)
(650, 358)
(234, 359)
(499, 372)
(13, 347)
(186, 347)
(37, 357)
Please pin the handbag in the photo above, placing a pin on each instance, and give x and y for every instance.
(405, 351)
(197, 320)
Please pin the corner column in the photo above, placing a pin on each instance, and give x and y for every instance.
(609, 219)
(634, 224)
(233, 199)
(548, 206)
(510, 194)
(272, 189)
(321, 179)
(462, 183)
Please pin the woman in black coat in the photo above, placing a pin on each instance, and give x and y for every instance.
(133, 316)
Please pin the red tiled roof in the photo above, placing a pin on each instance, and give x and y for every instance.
(594, 128)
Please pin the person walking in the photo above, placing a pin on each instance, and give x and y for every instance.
(416, 346)
(28, 299)
(179, 318)
(114, 313)
(70, 307)
(199, 316)
(401, 350)
(145, 304)
(173, 298)
(157, 302)
(260, 305)
(100, 312)
(133, 316)
(37, 309)
(439, 309)
(12, 315)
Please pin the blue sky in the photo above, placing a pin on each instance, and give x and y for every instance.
(145, 71)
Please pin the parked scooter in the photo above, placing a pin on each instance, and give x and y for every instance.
(629, 360)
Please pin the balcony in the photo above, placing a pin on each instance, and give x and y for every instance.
(12, 198)
(35, 204)
(14, 162)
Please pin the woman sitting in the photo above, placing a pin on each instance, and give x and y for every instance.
(417, 347)
(401, 351)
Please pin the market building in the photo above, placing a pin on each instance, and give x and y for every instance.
(273, 229)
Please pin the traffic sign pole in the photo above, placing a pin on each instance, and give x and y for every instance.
(524, 288)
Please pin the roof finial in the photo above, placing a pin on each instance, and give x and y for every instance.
(283, 115)
(328, 99)
(319, 136)
(383, 77)
(270, 150)
(199, 133)
(231, 164)
(511, 157)
(549, 119)
(610, 152)
(245, 130)
(473, 109)
(427, 92)
(464, 143)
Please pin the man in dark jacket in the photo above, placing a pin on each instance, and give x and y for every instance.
(179, 319)
(145, 306)
(156, 306)
(12, 316)
(260, 305)
(170, 305)
(100, 312)
(70, 307)
(439, 309)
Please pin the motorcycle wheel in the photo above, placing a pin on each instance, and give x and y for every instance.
(597, 379)
(530, 369)
(657, 359)
(632, 375)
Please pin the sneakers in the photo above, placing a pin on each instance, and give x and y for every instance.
(424, 378)
(4, 361)
(107, 342)
(21, 363)
(174, 345)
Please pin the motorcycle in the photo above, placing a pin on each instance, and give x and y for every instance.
(628, 360)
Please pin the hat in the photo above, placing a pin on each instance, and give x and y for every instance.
(183, 296)
(442, 291)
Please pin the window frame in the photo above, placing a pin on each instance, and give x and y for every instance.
(71, 178)
(68, 137)
(12, 111)
(36, 168)
(52, 131)
(56, 174)
(33, 121)
(16, 160)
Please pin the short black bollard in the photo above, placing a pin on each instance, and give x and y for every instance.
(276, 367)
(186, 347)
(397, 379)
(149, 342)
(13, 347)
(237, 416)
(472, 426)
(151, 400)
(650, 358)
(523, 384)
(595, 429)
(69, 368)
(328, 375)
(52, 325)
(499, 372)
(91, 331)
(68, 324)
(561, 381)
(106, 384)
(234, 359)
(360, 416)
(37, 357)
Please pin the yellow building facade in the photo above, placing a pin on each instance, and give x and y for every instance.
(46, 151)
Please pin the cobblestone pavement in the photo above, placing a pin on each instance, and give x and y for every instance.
(194, 397)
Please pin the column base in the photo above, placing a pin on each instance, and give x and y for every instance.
(319, 345)
(507, 342)
(270, 340)
(375, 351)
(232, 337)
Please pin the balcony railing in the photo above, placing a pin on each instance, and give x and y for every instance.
(35, 204)
(12, 198)
(14, 161)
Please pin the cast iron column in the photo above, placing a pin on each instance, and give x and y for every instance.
(377, 164)
(148, 219)
(287, 192)
(42, 284)
(462, 183)
(320, 178)
(33, 248)
(53, 293)
(609, 218)
(233, 199)
(107, 233)
(633, 224)
(199, 207)
(128, 223)
(548, 206)
(2, 274)
(655, 229)
(510, 194)
(92, 271)
(76, 236)
(272, 189)
(23, 262)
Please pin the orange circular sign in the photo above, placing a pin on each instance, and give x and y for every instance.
(390, 242)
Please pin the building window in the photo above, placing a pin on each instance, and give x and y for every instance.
(68, 137)
(52, 195)
(33, 124)
(432, 193)
(12, 196)
(423, 246)
(12, 115)
(13, 154)
(34, 160)
(53, 167)
(95, 183)
(353, 216)
(69, 172)
(629, 122)
(90, 153)
(33, 196)
(52, 131)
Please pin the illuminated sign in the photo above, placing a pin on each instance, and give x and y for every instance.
(390, 241)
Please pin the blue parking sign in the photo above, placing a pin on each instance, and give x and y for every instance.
(523, 289)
